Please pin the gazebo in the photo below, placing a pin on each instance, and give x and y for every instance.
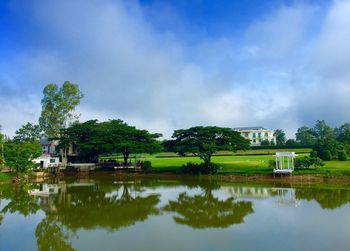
(284, 163)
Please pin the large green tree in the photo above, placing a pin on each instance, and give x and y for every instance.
(280, 137)
(58, 107)
(28, 132)
(114, 136)
(19, 156)
(2, 142)
(323, 131)
(305, 136)
(343, 133)
(204, 141)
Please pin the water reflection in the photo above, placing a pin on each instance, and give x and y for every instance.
(65, 209)
(206, 211)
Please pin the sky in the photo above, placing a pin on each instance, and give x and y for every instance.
(165, 65)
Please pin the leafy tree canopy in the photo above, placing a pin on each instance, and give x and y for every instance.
(205, 141)
(280, 137)
(113, 136)
(58, 107)
(28, 132)
(305, 136)
(19, 156)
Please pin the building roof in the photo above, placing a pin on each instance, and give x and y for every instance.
(250, 128)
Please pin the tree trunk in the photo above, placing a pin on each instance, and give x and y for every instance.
(126, 156)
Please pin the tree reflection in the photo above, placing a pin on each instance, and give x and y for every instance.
(19, 199)
(53, 235)
(327, 198)
(106, 206)
(207, 211)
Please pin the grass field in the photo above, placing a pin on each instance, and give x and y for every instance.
(245, 165)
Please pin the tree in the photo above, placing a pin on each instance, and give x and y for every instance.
(305, 136)
(323, 131)
(265, 142)
(291, 142)
(58, 107)
(205, 141)
(19, 156)
(28, 132)
(280, 137)
(343, 133)
(114, 136)
(2, 142)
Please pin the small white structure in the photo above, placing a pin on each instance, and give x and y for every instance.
(46, 161)
(45, 190)
(284, 163)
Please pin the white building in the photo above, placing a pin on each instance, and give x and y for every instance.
(46, 161)
(257, 134)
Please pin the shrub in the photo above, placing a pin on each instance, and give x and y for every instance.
(307, 162)
(313, 154)
(272, 163)
(202, 168)
(342, 155)
(146, 165)
(325, 155)
(265, 142)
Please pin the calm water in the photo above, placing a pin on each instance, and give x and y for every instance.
(153, 214)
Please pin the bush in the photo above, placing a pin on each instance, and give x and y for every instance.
(324, 154)
(202, 168)
(342, 155)
(313, 154)
(307, 162)
(272, 163)
(146, 165)
(265, 142)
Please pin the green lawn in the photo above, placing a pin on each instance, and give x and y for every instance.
(245, 165)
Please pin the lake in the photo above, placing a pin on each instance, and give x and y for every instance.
(169, 214)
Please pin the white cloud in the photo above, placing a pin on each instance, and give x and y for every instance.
(281, 73)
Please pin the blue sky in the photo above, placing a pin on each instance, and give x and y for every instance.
(163, 65)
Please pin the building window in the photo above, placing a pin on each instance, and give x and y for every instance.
(254, 135)
(259, 134)
(246, 134)
(254, 140)
(266, 134)
(52, 161)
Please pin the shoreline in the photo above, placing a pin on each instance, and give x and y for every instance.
(302, 179)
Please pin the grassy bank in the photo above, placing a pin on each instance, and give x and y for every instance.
(245, 165)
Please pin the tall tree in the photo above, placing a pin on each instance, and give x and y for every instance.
(305, 136)
(280, 137)
(343, 133)
(28, 132)
(2, 142)
(58, 107)
(323, 131)
(205, 141)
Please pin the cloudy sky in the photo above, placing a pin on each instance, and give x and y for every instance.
(164, 65)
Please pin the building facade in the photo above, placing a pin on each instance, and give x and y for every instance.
(257, 134)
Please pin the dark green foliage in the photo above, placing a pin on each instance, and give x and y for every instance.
(342, 155)
(205, 141)
(307, 162)
(114, 136)
(202, 168)
(313, 154)
(272, 163)
(343, 133)
(265, 142)
(146, 165)
(291, 142)
(280, 137)
(28, 132)
(305, 136)
(19, 156)
(324, 154)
